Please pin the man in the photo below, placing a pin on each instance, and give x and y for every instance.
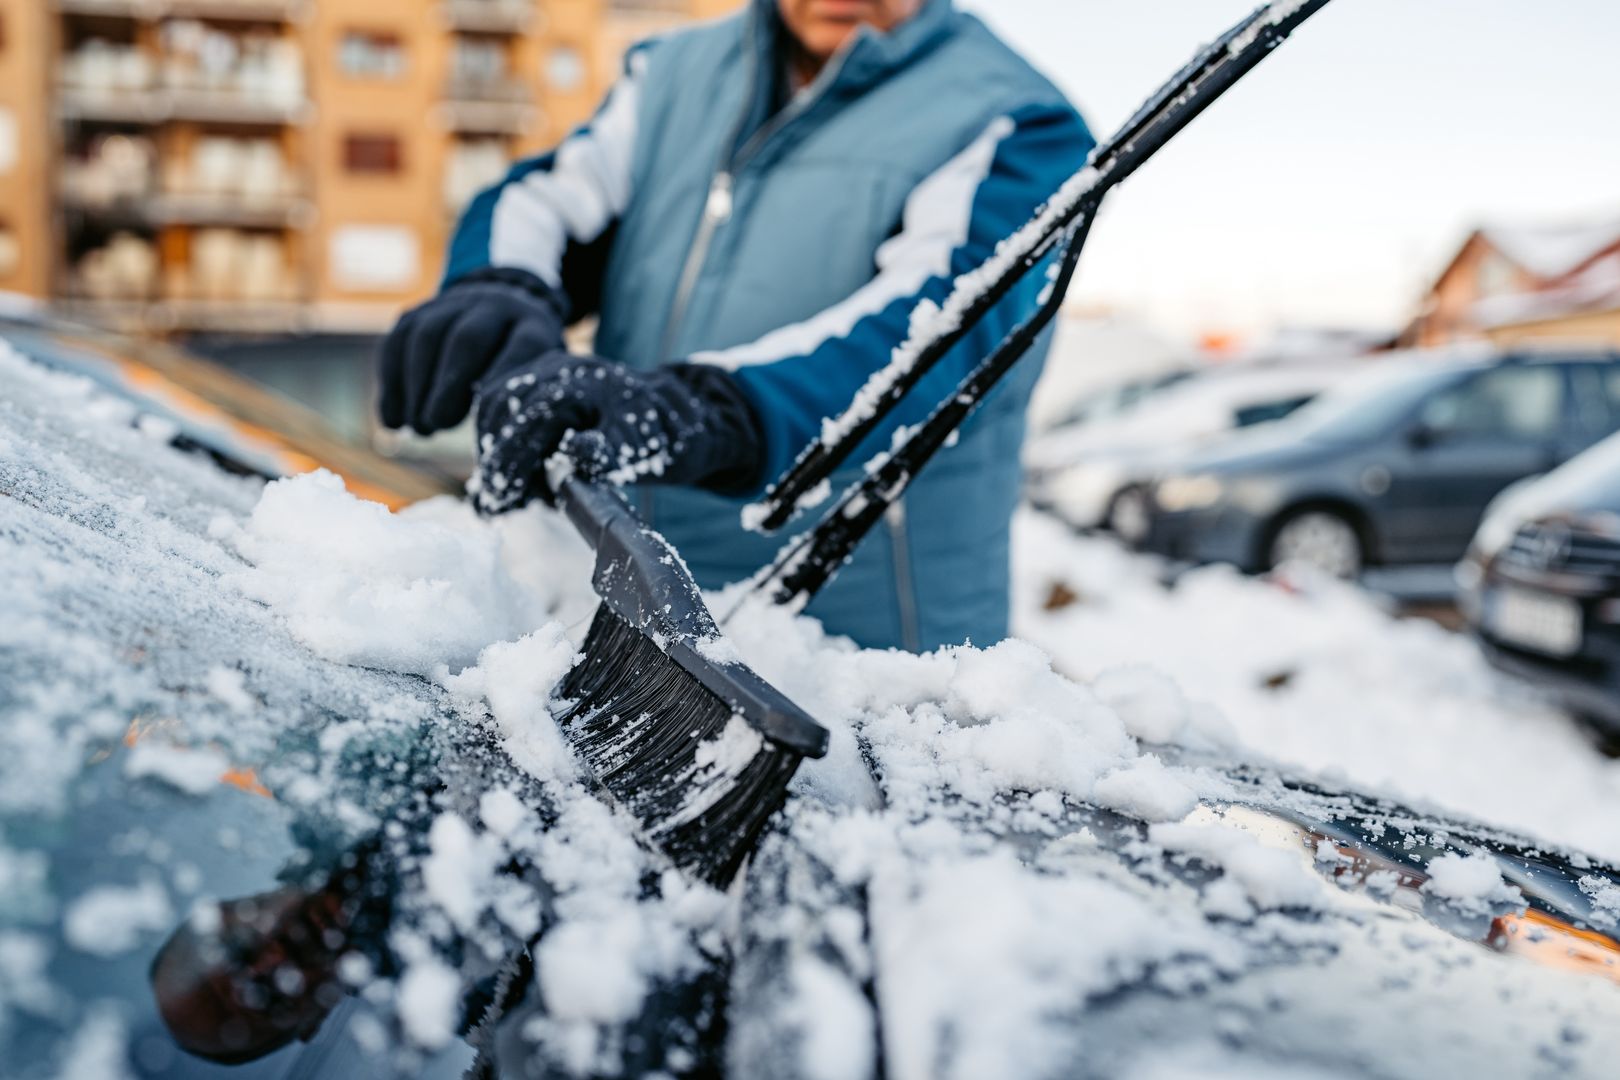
(753, 214)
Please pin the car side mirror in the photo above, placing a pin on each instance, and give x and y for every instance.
(1422, 435)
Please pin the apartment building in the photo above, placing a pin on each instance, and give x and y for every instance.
(271, 167)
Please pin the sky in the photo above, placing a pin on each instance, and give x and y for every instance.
(1335, 181)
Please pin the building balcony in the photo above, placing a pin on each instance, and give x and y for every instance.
(488, 106)
(196, 209)
(488, 16)
(156, 106)
(259, 11)
(160, 317)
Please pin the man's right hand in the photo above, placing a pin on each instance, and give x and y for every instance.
(438, 351)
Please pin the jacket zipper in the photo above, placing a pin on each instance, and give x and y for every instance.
(716, 212)
(722, 188)
(905, 597)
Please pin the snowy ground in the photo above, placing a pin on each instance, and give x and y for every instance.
(999, 870)
(1321, 676)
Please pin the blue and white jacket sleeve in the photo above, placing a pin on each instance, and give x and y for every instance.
(798, 375)
(552, 216)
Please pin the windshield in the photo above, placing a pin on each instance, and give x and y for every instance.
(1119, 399)
(1587, 482)
(1371, 405)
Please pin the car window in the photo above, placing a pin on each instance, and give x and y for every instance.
(1521, 402)
(1609, 375)
(1266, 411)
(1596, 397)
(1370, 405)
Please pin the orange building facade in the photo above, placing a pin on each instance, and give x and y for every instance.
(276, 166)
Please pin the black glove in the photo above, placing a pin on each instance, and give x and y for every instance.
(678, 424)
(433, 358)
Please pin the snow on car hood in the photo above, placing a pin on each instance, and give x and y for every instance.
(211, 688)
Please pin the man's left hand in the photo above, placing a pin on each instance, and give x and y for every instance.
(677, 424)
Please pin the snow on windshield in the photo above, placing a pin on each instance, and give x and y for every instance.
(966, 886)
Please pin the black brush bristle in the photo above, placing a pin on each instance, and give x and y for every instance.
(639, 718)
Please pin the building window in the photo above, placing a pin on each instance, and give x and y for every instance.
(366, 54)
(378, 154)
(477, 61)
(565, 69)
(374, 258)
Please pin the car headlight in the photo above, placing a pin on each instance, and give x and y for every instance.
(1179, 493)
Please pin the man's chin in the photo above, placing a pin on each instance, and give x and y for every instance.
(828, 36)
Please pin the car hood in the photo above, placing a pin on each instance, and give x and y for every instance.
(169, 743)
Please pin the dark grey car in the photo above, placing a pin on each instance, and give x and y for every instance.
(1394, 469)
(1541, 585)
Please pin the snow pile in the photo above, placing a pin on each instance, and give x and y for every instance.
(1470, 882)
(611, 943)
(112, 919)
(196, 772)
(982, 953)
(428, 1002)
(1266, 877)
(1605, 898)
(1316, 676)
(364, 586)
(994, 988)
(97, 1050)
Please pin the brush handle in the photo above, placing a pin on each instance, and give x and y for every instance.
(638, 574)
(641, 578)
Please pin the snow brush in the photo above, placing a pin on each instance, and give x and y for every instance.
(1057, 231)
(673, 726)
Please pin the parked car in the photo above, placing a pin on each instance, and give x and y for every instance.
(1393, 469)
(1118, 399)
(204, 407)
(1081, 471)
(225, 855)
(1540, 586)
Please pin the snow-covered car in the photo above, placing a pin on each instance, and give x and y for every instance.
(281, 795)
(1540, 585)
(1395, 469)
(1081, 471)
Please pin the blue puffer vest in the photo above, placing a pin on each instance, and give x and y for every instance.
(788, 238)
(810, 206)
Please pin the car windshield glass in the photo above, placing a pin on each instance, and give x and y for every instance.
(1369, 406)
(1590, 481)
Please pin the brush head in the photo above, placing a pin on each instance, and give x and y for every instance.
(695, 745)
(695, 773)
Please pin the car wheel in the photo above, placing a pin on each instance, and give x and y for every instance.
(1128, 515)
(1321, 539)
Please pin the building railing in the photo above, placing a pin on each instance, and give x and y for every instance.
(164, 209)
(246, 10)
(156, 106)
(488, 16)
